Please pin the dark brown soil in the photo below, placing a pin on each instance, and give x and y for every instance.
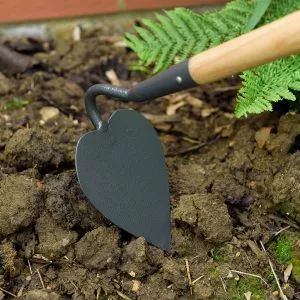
(232, 188)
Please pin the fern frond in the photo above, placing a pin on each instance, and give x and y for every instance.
(185, 33)
(181, 33)
(279, 8)
(267, 84)
(274, 81)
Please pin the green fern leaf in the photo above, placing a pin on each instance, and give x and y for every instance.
(272, 82)
(279, 8)
(267, 84)
(258, 12)
(181, 33)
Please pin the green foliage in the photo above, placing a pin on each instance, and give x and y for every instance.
(237, 289)
(267, 84)
(257, 14)
(181, 33)
(283, 249)
(15, 103)
(221, 253)
(274, 81)
(286, 250)
(214, 272)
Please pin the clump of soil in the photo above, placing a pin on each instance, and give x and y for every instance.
(206, 215)
(230, 192)
(32, 148)
(20, 202)
(65, 201)
(94, 250)
(53, 239)
(286, 187)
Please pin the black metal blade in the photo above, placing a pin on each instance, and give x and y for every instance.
(122, 172)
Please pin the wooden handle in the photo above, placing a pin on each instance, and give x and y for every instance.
(270, 42)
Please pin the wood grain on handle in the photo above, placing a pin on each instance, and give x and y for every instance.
(270, 42)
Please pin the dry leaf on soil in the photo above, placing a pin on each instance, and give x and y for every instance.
(171, 109)
(206, 112)
(157, 119)
(112, 77)
(248, 295)
(262, 135)
(287, 272)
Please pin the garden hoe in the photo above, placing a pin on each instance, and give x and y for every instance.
(120, 165)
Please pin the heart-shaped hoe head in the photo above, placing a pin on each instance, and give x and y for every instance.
(120, 165)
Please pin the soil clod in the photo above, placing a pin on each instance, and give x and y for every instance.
(99, 248)
(207, 216)
(20, 202)
(32, 148)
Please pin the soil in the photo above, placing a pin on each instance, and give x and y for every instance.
(234, 186)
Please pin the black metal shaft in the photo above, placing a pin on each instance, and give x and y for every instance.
(170, 81)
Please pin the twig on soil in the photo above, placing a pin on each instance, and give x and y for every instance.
(249, 274)
(255, 249)
(157, 119)
(192, 141)
(123, 295)
(98, 294)
(223, 284)
(197, 279)
(41, 279)
(21, 290)
(187, 265)
(282, 295)
(227, 88)
(281, 230)
(29, 265)
(8, 293)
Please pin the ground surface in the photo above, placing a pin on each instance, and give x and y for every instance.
(234, 186)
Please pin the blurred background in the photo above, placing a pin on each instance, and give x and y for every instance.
(44, 17)
(18, 11)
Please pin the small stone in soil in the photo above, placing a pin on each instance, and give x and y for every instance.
(49, 113)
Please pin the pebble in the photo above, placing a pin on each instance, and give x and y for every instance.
(49, 113)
